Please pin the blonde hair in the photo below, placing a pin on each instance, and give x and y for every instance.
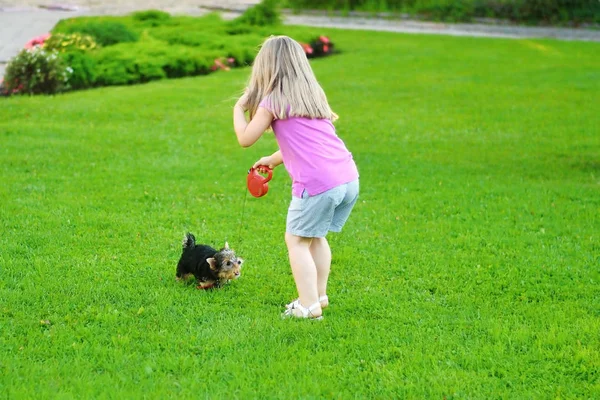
(282, 74)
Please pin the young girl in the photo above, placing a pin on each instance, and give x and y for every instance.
(283, 93)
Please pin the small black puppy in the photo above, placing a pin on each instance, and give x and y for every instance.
(210, 267)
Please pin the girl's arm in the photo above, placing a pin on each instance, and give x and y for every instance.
(249, 133)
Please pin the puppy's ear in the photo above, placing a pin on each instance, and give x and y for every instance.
(212, 262)
(227, 245)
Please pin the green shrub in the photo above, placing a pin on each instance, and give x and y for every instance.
(242, 55)
(212, 22)
(36, 71)
(192, 31)
(190, 38)
(238, 28)
(264, 13)
(546, 11)
(447, 10)
(242, 47)
(183, 62)
(345, 5)
(105, 32)
(121, 65)
(83, 67)
(181, 65)
(549, 11)
(151, 17)
(126, 64)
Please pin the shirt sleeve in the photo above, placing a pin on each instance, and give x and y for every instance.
(266, 103)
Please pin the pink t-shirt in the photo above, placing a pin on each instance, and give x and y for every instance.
(314, 156)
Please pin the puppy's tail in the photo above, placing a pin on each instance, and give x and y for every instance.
(189, 241)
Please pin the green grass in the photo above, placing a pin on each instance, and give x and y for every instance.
(469, 268)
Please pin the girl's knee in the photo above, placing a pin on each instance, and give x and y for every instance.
(293, 240)
(320, 240)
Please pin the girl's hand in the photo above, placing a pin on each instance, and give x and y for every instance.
(243, 101)
(264, 162)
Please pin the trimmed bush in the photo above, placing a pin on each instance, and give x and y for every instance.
(180, 36)
(151, 17)
(263, 14)
(126, 64)
(83, 68)
(106, 32)
(243, 55)
(122, 65)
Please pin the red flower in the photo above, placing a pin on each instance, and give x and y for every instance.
(307, 48)
(324, 39)
(325, 48)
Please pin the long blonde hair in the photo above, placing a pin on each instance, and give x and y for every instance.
(282, 74)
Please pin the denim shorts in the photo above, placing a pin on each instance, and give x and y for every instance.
(315, 216)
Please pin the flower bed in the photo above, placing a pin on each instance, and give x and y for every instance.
(90, 52)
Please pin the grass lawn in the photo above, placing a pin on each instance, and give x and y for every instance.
(469, 268)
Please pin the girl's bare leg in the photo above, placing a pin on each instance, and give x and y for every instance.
(304, 270)
(321, 254)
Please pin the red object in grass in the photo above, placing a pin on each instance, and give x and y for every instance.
(324, 39)
(257, 184)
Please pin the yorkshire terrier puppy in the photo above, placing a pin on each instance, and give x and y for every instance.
(210, 267)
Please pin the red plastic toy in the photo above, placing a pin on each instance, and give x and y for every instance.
(258, 184)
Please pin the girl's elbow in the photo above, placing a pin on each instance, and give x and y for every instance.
(246, 138)
(244, 142)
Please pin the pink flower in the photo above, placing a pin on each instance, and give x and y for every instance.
(324, 39)
(37, 41)
(231, 60)
(325, 48)
(219, 65)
